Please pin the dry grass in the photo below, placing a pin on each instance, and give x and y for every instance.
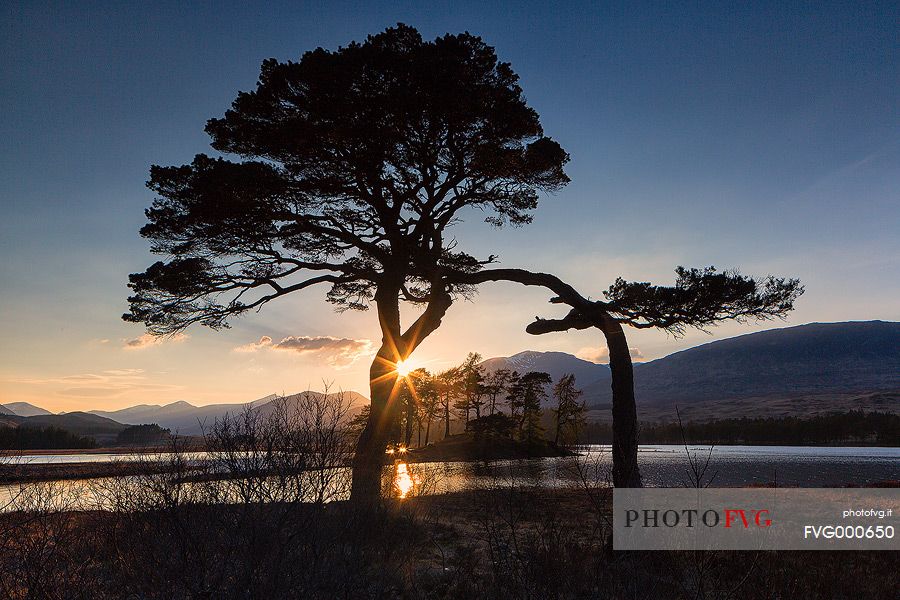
(509, 542)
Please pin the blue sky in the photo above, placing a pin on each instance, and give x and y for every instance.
(762, 136)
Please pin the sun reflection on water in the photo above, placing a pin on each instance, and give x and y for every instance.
(404, 482)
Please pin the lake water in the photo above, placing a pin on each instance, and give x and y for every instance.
(728, 466)
(99, 457)
(661, 466)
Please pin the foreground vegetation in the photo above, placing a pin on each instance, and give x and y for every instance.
(267, 518)
(508, 542)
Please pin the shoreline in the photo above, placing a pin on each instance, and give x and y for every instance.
(118, 450)
(412, 452)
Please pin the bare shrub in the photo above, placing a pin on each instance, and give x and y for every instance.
(43, 545)
(297, 450)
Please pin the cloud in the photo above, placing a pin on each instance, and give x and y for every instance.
(83, 378)
(601, 354)
(117, 389)
(263, 343)
(84, 392)
(147, 340)
(338, 352)
(119, 376)
(109, 383)
(124, 372)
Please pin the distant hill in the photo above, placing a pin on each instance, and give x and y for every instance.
(181, 417)
(80, 423)
(356, 401)
(24, 409)
(76, 424)
(556, 364)
(186, 419)
(794, 370)
(5, 411)
(815, 358)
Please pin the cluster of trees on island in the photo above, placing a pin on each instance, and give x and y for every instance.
(430, 406)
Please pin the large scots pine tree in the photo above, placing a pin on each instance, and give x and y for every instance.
(346, 169)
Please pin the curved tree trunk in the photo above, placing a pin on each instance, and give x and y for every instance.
(369, 458)
(624, 410)
(368, 461)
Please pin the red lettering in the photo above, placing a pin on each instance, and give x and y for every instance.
(730, 513)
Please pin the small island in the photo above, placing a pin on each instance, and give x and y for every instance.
(466, 447)
(493, 437)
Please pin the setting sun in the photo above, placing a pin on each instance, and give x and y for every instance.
(404, 368)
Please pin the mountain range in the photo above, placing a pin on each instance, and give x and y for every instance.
(22, 409)
(793, 370)
(187, 419)
(80, 423)
(789, 371)
(178, 416)
(181, 417)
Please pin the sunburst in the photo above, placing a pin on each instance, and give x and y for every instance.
(404, 368)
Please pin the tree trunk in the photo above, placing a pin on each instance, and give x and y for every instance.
(369, 459)
(427, 429)
(447, 419)
(624, 411)
(409, 419)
